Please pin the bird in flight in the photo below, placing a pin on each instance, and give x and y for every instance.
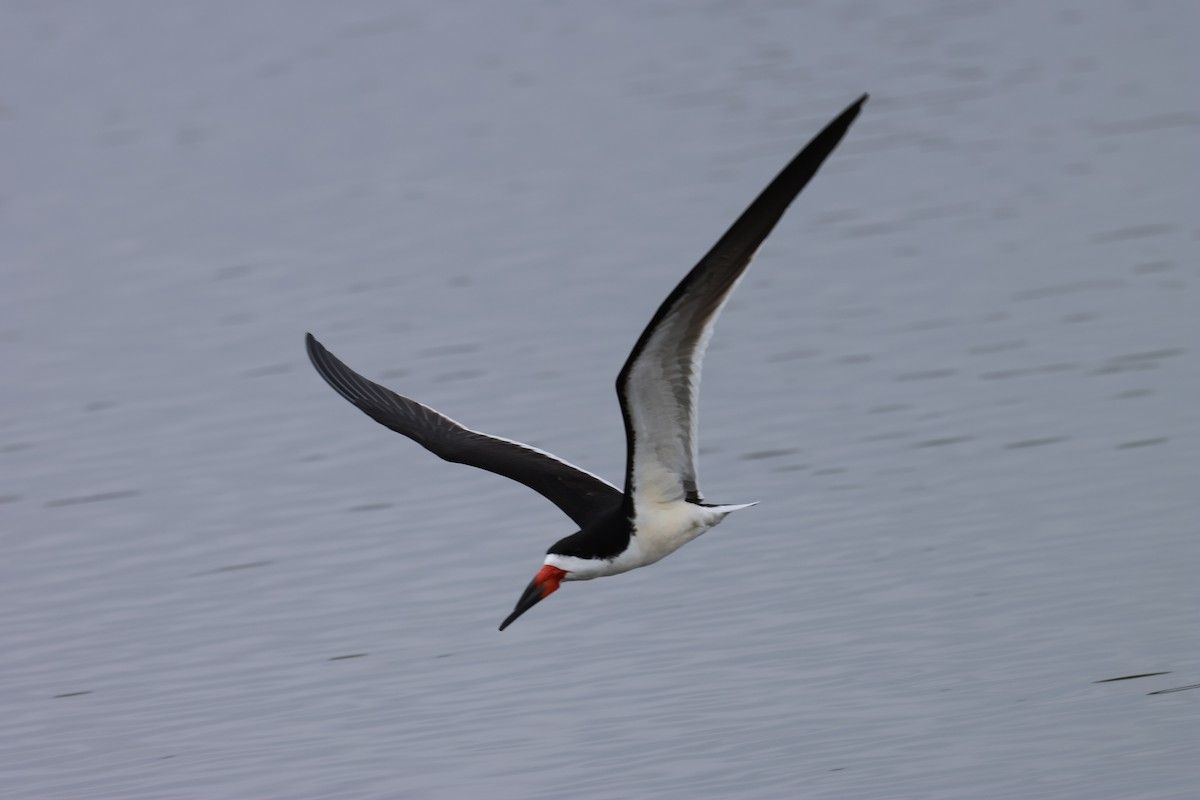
(661, 507)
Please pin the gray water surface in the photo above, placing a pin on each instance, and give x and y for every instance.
(961, 379)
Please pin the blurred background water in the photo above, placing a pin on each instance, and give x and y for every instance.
(961, 378)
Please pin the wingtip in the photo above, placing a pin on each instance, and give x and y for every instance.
(853, 109)
(840, 124)
(844, 120)
(313, 347)
(320, 357)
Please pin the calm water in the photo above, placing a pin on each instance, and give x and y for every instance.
(962, 380)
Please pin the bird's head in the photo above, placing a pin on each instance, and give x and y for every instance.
(544, 584)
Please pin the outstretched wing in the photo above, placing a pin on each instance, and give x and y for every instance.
(658, 385)
(581, 495)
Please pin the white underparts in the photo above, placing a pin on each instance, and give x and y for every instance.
(659, 530)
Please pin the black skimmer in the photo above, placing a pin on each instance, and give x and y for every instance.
(661, 508)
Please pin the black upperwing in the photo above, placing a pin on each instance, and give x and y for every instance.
(659, 383)
(580, 495)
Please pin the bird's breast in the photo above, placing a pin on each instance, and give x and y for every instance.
(662, 528)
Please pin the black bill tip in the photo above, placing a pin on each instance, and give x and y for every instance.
(544, 584)
(533, 594)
